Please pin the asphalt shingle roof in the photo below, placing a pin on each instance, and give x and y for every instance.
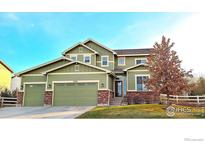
(133, 51)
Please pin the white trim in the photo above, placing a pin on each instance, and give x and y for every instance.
(33, 75)
(139, 71)
(127, 73)
(107, 61)
(129, 55)
(108, 71)
(121, 64)
(143, 58)
(134, 66)
(87, 55)
(81, 54)
(24, 88)
(77, 73)
(77, 68)
(74, 55)
(99, 61)
(41, 65)
(100, 45)
(139, 75)
(78, 44)
(107, 80)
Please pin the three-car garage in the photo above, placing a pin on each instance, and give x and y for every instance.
(64, 94)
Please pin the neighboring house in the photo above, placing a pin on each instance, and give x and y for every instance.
(88, 73)
(5, 75)
(15, 83)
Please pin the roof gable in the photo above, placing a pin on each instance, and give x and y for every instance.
(133, 52)
(99, 44)
(76, 62)
(43, 65)
(135, 66)
(77, 45)
(6, 66)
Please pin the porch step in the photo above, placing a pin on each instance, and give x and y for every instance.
(118, 101)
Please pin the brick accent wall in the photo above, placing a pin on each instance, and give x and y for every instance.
(134, 97)
(105, 97)
(20, 97)
(48, 97)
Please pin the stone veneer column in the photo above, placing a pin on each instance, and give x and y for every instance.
(105, 97)
(48, 98)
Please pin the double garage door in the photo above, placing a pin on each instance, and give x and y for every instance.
(73, 94)
(64, 94)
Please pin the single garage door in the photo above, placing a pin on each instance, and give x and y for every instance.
(34, 95)
(75, 94)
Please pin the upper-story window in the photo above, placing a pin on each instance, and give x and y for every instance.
(140, 61)
(87, 59)
(121, 61)
(104, 61)
(74, 57)
(140, 82)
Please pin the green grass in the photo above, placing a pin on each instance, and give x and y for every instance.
(140, 111)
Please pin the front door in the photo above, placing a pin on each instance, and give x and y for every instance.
(118, 89)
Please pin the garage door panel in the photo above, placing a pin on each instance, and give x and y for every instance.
(75, 94)
(34, 95)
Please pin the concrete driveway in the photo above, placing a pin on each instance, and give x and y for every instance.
(62, 112)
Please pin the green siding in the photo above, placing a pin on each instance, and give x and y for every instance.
(110, 82)
(48, 67)
(79, 49)
(81, 58)
(75, 94)
(129, 61)
(76, 77)
(71, 68)
(131, 78)
(34, 95)
(33, 79)
(102, 52)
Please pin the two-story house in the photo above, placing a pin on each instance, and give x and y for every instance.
(88, 73)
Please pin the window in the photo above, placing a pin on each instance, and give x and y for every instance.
(87, 59)
(140, 61)
(73, 57)
(76, 68)
(104, 60)
(121, 61)
(139, 82)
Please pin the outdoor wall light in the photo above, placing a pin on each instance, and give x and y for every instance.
(21, 87)
(49, 86)
(102, 85)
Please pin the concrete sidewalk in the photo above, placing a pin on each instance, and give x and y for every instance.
(62, 112)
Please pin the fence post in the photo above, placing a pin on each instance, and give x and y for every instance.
(2, 101)
(198, 100)
(177, 98)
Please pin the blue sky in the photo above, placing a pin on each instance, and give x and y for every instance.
(29, 39)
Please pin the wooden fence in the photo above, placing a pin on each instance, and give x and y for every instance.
(183, 99)
(8, 101)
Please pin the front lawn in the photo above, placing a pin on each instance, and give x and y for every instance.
(142, 111)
